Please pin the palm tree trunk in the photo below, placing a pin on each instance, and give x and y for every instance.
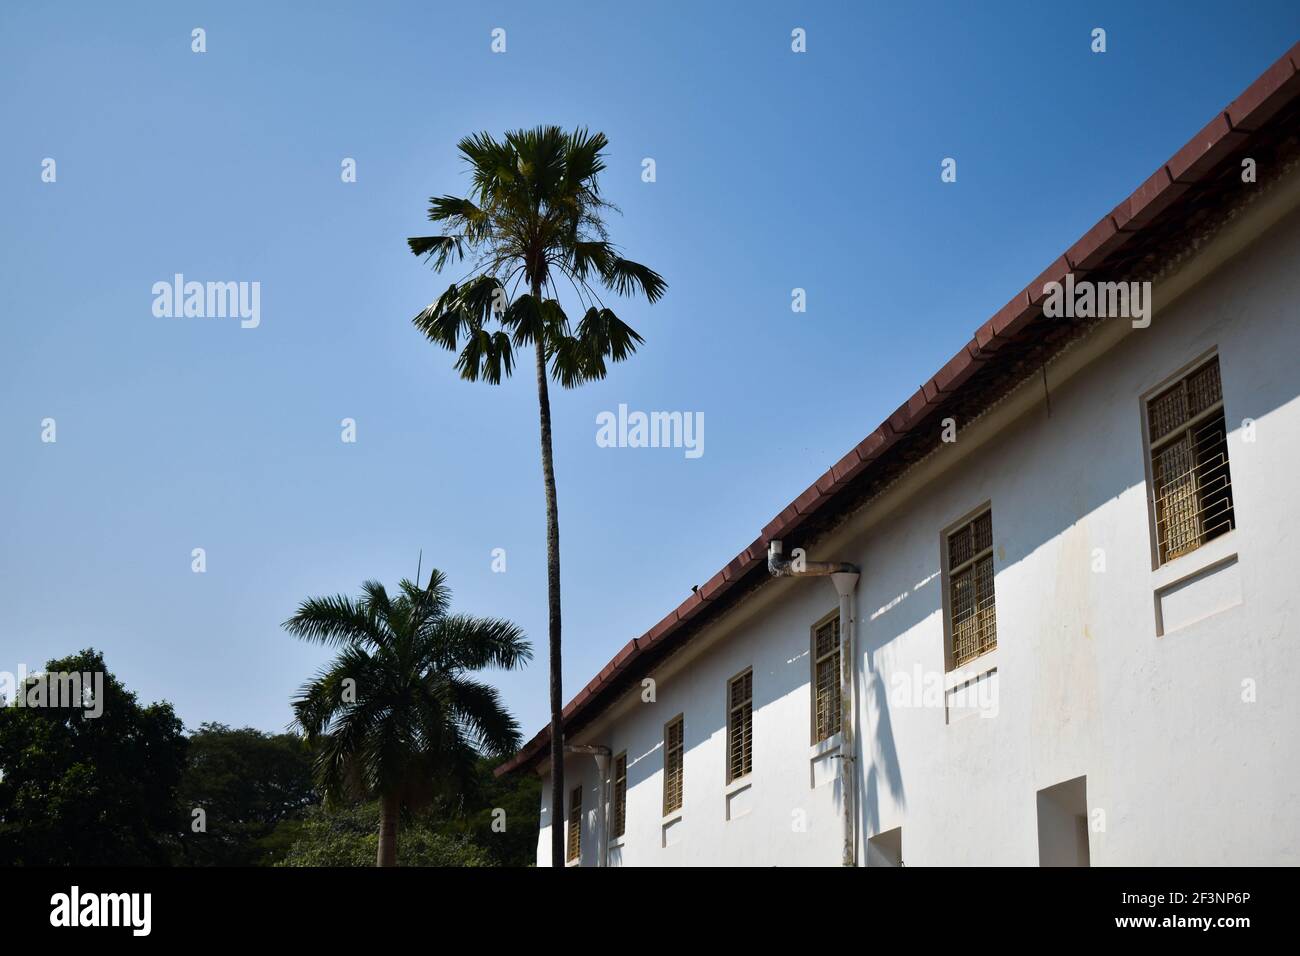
(388, 811)
(553, 602)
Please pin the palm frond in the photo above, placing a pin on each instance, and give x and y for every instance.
(524, 320)
(439, 250)
(478, 709)
(588, 258)
(433, 600)
(608, 336)
(461, 212)
(573, 363)
(486, 355)
(626, 277)
(584, 159)
(336, 621)
(445, 320)
(466, 643)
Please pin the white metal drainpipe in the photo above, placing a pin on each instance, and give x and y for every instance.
(602, 755)
(845, 578)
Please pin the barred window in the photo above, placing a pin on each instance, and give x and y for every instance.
(673, 746)
(620, 795)
(970, 590)
(575, 825)
(826, 679)
(1191, 485)
(740, 725)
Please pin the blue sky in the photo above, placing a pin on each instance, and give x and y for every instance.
(775, 170)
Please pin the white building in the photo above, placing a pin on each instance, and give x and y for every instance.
(1075, 622)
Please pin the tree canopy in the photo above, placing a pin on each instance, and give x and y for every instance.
(86, 788)
(246, 782)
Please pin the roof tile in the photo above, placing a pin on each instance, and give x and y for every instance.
(737, 566)
(1096, 244)
(847, 467)
(809, 501)
(652, 636)
(1205, 150)
(919, 404)
(713, 587)
(900, 418)
(690, 607)
(1034, 293)
(1154, 196)
(959, 368)
(875, 443)
(1015, 315)
(1123, 218)
(1278, 84)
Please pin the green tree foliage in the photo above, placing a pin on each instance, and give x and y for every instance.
(498, 814)
(349, 836)
(90, 790)
(247, 782)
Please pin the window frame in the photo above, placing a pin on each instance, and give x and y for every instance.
(617, 798)
(949, 629)
(573, 838)
(731, 710)
(814, 660)
(1150, 446)
(681, 766)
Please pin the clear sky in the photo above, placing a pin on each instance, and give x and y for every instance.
(775, 170)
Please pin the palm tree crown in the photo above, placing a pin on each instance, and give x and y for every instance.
(396, 716)
(534, 215)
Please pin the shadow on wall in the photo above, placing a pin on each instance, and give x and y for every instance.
(885, 756)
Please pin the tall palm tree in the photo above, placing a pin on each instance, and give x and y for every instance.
(534, 217)
(395, 717)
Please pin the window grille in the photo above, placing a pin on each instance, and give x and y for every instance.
(740, 725)
(575, 825)
(620, 795)
(970, 589)
(1191, 484)
(826, 680)
(673, 747)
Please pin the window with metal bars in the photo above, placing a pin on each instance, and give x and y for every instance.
(575, 826)
(740, 725)
(673, 747)
(1191, 485)
(619, 823)
(826, 679)
(970, 590)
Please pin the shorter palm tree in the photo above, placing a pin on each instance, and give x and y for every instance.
(394, 717)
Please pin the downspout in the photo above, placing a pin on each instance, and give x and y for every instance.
(602, 755)
(845, 578)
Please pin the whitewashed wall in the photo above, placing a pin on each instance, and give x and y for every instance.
(1181, 768)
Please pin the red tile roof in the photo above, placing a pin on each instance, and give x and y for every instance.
(1278, 87)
